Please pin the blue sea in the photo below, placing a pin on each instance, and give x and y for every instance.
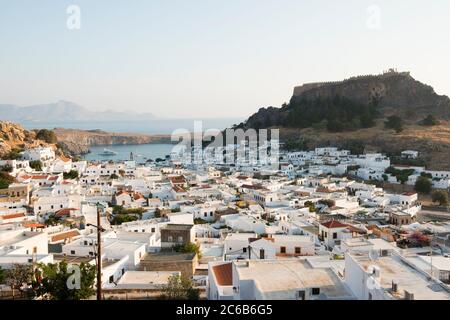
(141, 152)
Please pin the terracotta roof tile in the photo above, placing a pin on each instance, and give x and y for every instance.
(12, 216)
(224, 274)
(65, 235)
(334, 224)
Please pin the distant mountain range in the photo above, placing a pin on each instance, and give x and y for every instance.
(65, 111)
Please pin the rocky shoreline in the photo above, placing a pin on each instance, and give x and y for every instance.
(78, 142)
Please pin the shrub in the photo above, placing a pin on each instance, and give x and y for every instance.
(440, 196)
(36, 165)
(180, 288)
(46, 135)
(394, 122)
(423, 185)
(5, 180)
(430, 120)
(188, 248)
(72, 174)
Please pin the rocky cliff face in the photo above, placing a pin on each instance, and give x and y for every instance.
(79, 141)
(396, 93)
(13, 136)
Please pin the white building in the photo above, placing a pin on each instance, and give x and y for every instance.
(389, 277)
(294, 279)
(39, 153)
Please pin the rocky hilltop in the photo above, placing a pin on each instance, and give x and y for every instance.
(14, 137)
(395, 93)
(78, 141)
(352, 114)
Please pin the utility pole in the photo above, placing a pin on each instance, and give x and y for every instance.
(99, 255)
(99, 250)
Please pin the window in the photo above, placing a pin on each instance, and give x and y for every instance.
(244, 250)
(315, 291)
(298, 250)
(180, 239)
(170, 238)
(153, 229)
(301, 295)
(334, 235)
(205, 214)
(111, 279)
(72, 251)
(261, 254)
(85, 243)
(283, 249)
(91, 253)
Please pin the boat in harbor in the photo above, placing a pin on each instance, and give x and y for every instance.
(107, 152)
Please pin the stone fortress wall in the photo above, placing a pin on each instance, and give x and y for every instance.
(310, 86)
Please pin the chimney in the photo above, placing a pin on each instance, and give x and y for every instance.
(409, 295)
(394, 286)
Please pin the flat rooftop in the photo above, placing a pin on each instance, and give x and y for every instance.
(15, 238)
(392, 268)
(282, 279)
(178, 227)
(164, 256)
(240, 236)
(146, 277)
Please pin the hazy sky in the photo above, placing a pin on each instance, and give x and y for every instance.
(211, 58)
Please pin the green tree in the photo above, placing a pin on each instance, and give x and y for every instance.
(394, 122)
(199, 221)
(122, 218)
(72, 174)
(36, 165)
(5, 180)
(188, 248)
(440, 196)
(57, 281)
(335, 125)
(180, 288)
(14, 154)
(2, 275)
(6, 168)
(430, 120)
(114, 176)
(18, 276)
(46, 135)
(423, 185)
(52, 220)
